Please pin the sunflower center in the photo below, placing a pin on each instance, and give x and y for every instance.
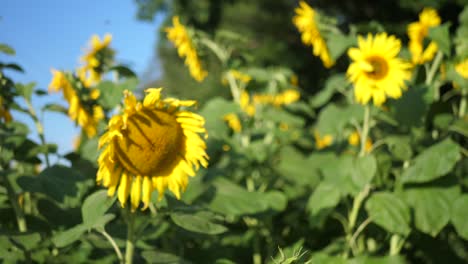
(379, 68)
(153, 142)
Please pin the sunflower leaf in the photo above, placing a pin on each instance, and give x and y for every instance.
(390, 212)
(441, 36)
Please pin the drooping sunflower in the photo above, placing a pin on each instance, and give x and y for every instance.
(418, 31)
(86, 115)
(376, 71)
(97, 59)
(306, 22)
(180, 36)
(152, 145)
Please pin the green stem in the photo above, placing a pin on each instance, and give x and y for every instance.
(114, 245)
(257, 256)
(462, 108)
(364, 130)
(432, 71)
(235, 90)
(40, 129)
(130, 243)
(396, 244)
(20, 219)
(353, 217)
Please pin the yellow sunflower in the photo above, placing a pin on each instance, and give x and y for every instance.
(306, 22)
(355, 138)
(233, 122)
(99, 56)
(376, 71)
(462, 68)
(86, 116)
(179, 35)
(322, 142)
(286, 97)
(154, 144)
(418, 31)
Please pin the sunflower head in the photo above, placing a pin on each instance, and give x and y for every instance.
(462, 68)
(233, 122)
(181, 37)
(322, 142)
(97, 59)
(417, 33)
(83, 108)
(306, 21)
(152, 145)
(376, 71)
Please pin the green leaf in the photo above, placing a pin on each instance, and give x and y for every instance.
(57, 181)
(333, 118)
(55, 108)
(198, 222)
(111, 93)
(338, 43)
(390, 212)
(28, 241)
(441, 36)
(300, 169)
(213, 112)
(377, 260)
(338, 173)
(12, 66)
(65, 238)
(95, 206)
(276, 200)
(231, 199)
(325, 196)
(334, 83)
(26, 90)
(460, 126)
(160, 257)
(431, 206)
(411, 108)
(400, 147)
(432, 164)
(459, 216)
(364, 170)
(123, 71)
(4, 48)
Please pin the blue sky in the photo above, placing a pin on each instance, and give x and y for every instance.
(53, 34)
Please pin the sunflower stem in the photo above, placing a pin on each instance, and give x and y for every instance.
(432, 71)
(39, 128)
(364, 130)
(129, 245)
(352, 217)
(235, 90)
(462, 108)
(20, 219)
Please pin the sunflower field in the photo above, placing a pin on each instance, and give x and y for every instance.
(280, 132)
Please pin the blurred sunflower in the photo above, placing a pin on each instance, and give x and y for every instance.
(233, 122)
(246, 105)
(86, 113)
(286, 97)
(462, 68)
(305, 21)
(96, 61)
(154, 144)
(355, 138)
(322, 142)
(376, 71)
(179, 35)
(418, 31)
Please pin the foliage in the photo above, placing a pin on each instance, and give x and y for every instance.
(316, 179)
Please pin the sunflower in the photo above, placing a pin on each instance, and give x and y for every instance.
(355, 138)
(286, 97)
(179, 35)
(376, 71)
(322, 142)
(154, 144)
(462, 68)
(97, 59)
(418, 31)
(86, 114)
(233, 122)
(306, 22)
